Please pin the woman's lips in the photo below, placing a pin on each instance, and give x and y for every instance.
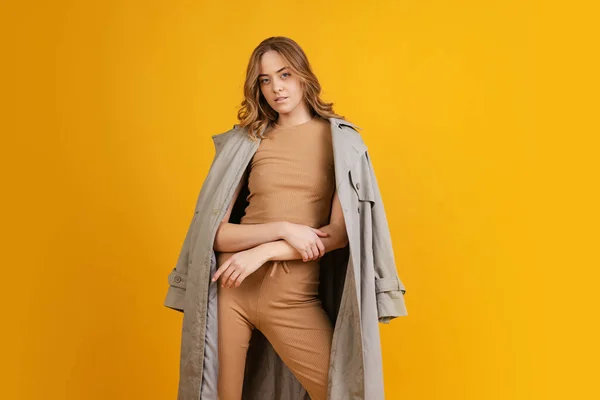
(279, 100)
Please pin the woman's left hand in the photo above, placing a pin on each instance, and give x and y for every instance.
(237, 267)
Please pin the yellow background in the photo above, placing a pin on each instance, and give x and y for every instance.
(478, 116)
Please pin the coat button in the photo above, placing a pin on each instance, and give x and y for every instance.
(357, 185)
(177, 279)
(216, 211)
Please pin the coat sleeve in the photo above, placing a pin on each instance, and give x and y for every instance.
(178, 276)
(389, 288)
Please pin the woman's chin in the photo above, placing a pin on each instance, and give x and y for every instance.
(281, 109)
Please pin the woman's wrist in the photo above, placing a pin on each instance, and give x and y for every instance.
(265, 251)
(282, 229)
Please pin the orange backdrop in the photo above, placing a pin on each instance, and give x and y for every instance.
(488, 183)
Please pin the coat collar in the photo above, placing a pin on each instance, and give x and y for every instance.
(348, 145)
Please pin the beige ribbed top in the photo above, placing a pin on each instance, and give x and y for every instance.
(292, 175)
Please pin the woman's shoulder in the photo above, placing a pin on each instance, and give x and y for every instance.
(236, 133)
(350, 133)
(341, 123)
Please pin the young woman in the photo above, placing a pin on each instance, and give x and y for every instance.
(268, 272)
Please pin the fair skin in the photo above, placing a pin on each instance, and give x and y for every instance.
(277, 80)
(256, 244)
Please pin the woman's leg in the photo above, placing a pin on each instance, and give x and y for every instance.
(235, 331)
(295, 323)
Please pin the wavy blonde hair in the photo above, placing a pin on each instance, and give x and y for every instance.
(255, 112)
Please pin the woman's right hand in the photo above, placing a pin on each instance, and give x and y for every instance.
(306, 240)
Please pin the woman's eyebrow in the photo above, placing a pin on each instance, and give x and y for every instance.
(278, 71)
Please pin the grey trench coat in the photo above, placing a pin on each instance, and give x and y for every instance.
(359, 283)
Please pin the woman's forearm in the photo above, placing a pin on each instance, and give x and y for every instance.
(237, 237)
(283, 251)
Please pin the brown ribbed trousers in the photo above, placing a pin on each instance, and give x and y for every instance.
(281, 300)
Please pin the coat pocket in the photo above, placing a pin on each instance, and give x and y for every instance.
(360, 178)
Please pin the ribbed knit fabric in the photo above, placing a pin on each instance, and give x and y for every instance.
(292, 175)
(291, 179)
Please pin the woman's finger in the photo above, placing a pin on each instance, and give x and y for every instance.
(304, 255)
(307, 255)
(309, 252)
(312, 252)
(221, 269)
(226, 275)
(321, 247)
(320, 232)
(232, 278)
(316, 252)
(240, 279)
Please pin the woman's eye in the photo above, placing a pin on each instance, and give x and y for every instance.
(285, 73)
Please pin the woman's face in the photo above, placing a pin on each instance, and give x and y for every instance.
(279, 85)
